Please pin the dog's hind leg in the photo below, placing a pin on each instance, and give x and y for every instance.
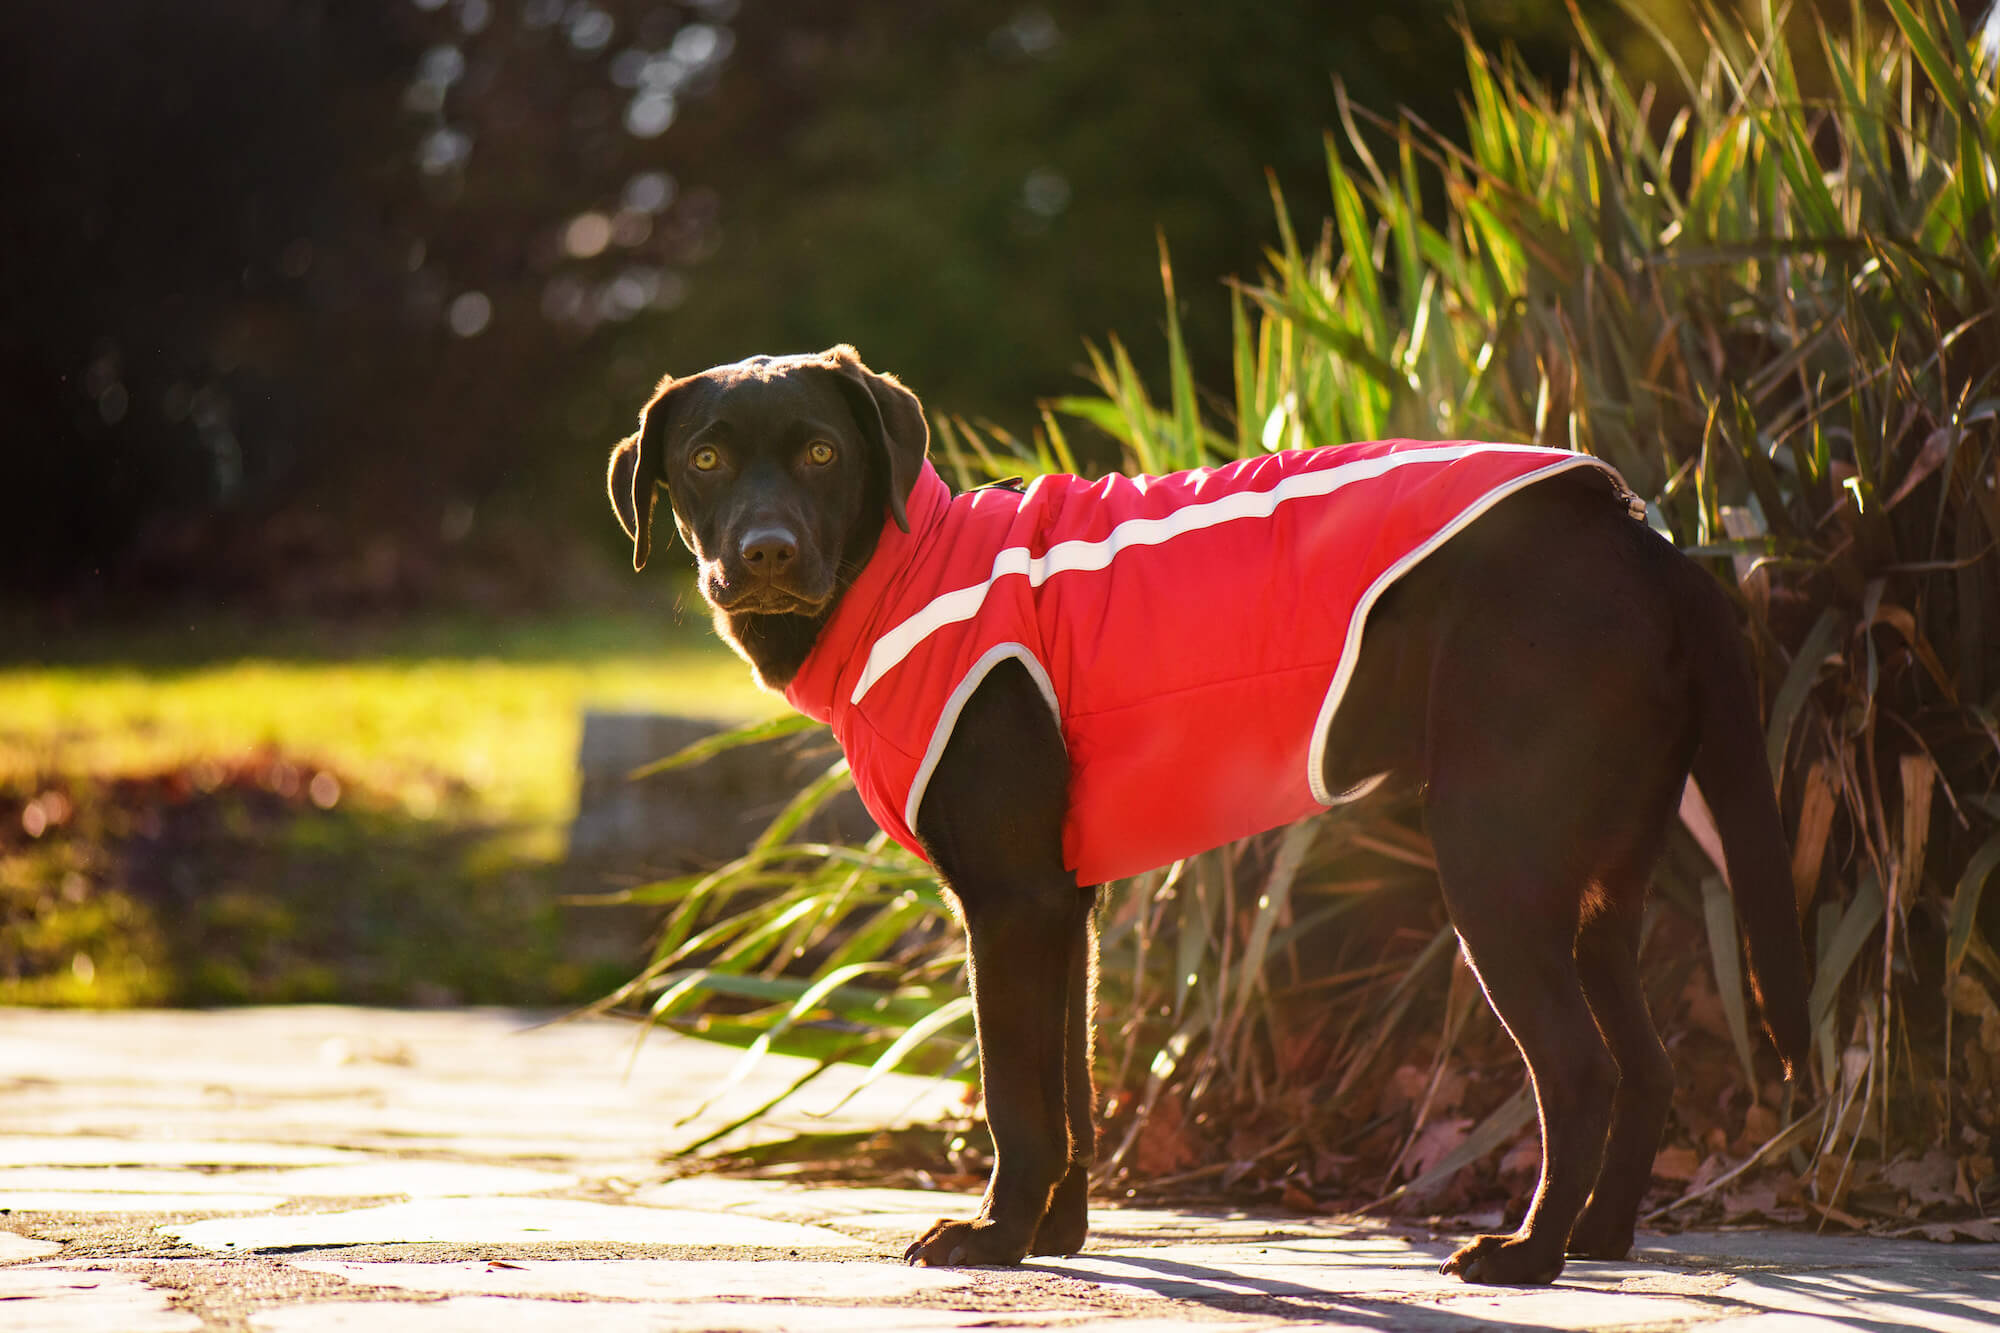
(1607, 958)
(1517, 924)
(992, 819)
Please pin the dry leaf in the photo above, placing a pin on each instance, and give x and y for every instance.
(1404, 1088)
(1760, 1123)
(1434, 1144)
(1703, 1006)
(1979, 1230)
(1937, 448)
(1163, 1146)
(1919, 778)
(1330, 1166)
(1749, 1201)
(1712, 1166)
(1929, 1180)
(1524, 1158)
(1970, 998)
(1675, 1164)
(1816, 811)
(1831, 1214)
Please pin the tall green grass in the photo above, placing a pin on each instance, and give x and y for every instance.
(1775, 312)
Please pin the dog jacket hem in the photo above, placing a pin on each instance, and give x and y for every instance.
(1192, 635)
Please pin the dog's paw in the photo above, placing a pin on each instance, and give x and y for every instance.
(1504, 1261)
(1592, 1238)
(1061, 1236)
(1066, 1225)
(964, 1244)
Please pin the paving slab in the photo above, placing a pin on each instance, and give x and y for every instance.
(1755, 1247)
(489, 1083)
(15, 1247)
(483, 1314)
(1874, 1298)
(656, 1279)
(99, 1150)
(892, 1217)
(299, 1170)
(114, 1201)
(505, 1221)
(55, 1300)
(364, 1179)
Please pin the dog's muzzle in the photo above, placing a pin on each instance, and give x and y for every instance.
(764, 577)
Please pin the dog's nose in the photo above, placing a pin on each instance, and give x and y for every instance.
(768, 551)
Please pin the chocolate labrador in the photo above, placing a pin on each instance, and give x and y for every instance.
(1484, 623)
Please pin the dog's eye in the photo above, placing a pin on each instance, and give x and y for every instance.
(705, 459)
(819, 453)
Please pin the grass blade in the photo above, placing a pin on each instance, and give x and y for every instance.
(1725, 956)
(790, 724)
(1965, 898)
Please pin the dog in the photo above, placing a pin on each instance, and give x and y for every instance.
(1487, 624)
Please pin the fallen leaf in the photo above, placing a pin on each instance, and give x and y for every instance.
(1846, 1219)
(1675, 1164)
(1979, 1230)
(1163, 1146)
(1970, 998)
(1750, 1201)
(1524, 1158)
(1928, 1180)
(1439, 1138)
(1711, 1167)
(1760, 1122)
(1404, 1088)
(1329, 1167)
(1704, 1006)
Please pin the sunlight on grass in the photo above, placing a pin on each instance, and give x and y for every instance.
(426, 717)
(227, 811)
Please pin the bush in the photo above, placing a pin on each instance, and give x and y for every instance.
(1775, 314)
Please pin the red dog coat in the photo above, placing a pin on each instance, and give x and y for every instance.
(1193, 634)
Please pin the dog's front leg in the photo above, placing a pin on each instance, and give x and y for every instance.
(992, 818)
(1067, 1222)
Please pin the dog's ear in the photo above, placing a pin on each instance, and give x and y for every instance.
(890, 416)
(635, 475)
(624, 496)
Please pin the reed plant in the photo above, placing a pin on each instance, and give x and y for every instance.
(1767, 293)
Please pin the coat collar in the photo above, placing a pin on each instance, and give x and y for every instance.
(823, 684)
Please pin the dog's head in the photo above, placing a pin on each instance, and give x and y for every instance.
(776, 469)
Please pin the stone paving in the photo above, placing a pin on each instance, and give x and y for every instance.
(308, 1170)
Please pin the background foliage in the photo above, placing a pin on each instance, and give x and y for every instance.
(333, 307)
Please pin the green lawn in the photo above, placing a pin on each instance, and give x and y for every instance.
(419, 710)
(183, 870)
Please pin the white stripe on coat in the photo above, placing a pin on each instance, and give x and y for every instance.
(1065, 557)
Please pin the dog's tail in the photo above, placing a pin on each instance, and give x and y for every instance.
(1732, 772)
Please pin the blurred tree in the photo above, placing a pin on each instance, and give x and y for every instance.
(166, 167)
(295, 286)
(967, 191)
